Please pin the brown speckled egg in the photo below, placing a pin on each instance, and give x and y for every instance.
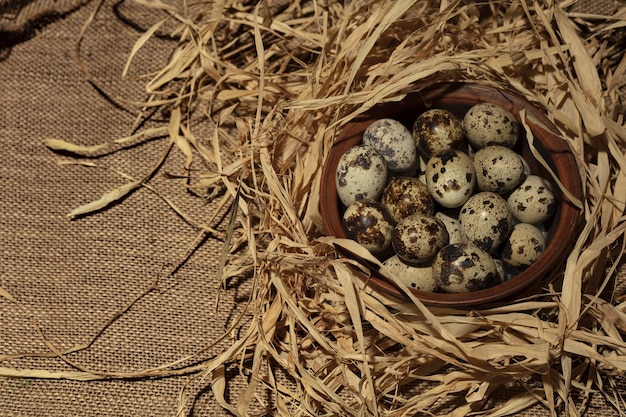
(450, 177)
(489, 124)
(418, 277)
(505, 271)
(361, 173)
(485, 221)
(452, 226)
(368, 223)
(417, 238)
(437, 130)
(524, 246)
(498, 169)
(394, 142)
(404, 196)
(463, 267)
(533, 201)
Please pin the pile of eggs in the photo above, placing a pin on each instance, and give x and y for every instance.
(449, 205)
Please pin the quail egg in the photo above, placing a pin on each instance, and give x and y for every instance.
(416, 277)
(524, 246)
(418, 238)
(368, 223)
(485, 221)
(490, 124)
(394, 142)
(464, 267)
(404, 196)
(452, 226)
(542, 228)
(437, 130)
(361, 173)
(505, 271)
(450, 177)
(533, 201)
(498, 169)
(421, 168)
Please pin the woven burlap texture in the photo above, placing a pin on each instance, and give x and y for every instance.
(71, 278)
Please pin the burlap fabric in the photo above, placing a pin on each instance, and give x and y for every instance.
(69, 279)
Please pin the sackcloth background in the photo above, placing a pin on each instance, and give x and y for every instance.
(72, 277)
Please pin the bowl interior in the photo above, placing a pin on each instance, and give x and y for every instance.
(458, 98)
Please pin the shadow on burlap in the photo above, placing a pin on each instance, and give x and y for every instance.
(21, 19)
(72, 278)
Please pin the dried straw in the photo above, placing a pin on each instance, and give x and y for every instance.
(275, 80)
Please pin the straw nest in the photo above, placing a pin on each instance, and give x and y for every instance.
(275, 80)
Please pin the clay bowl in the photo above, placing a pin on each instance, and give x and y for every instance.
(458, 98)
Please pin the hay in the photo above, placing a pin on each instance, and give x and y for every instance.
(275, 80)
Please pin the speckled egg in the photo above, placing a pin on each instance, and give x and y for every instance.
(404, 196)
(524, 246)
(533, 201)
(485, 221)
(421, 168)
(498, 169)
(368, 223)
(416, 277)
(394, 142)
(452, 226)
(489, 124)
(463, 267)
(417, 238)
(542, 228)
(361, 173)
(505, 272)
(437, 130)
(450, 177)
